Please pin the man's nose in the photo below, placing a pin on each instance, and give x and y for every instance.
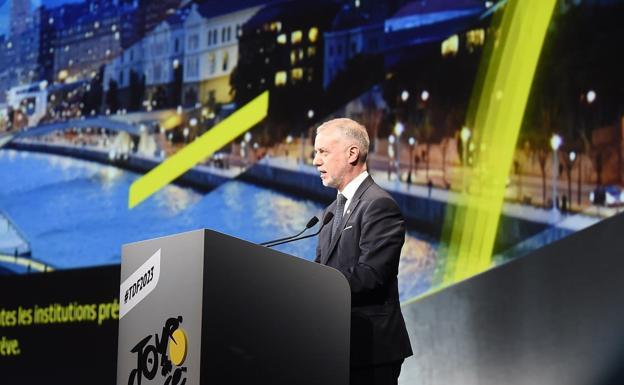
(316, 161)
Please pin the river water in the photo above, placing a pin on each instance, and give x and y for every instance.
(75, 214)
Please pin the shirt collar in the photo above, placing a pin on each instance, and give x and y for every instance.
(351, 187)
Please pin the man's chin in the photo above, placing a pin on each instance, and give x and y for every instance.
(329, 183)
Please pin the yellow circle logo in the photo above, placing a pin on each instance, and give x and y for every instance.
(178, 347)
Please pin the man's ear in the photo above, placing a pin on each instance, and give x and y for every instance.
(354, 154)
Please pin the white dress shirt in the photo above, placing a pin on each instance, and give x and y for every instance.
(351, 188)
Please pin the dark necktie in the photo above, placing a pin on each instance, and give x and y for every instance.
(340, 204)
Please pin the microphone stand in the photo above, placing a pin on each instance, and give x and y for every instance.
(313, 221)
(328, 217)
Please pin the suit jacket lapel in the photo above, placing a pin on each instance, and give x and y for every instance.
(352, 205)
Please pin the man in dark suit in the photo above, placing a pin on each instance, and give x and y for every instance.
(364, 242)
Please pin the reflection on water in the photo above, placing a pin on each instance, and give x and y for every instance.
(75, 214)
(108, 176)
(175, 199)
(417, 266)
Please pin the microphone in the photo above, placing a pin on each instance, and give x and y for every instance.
(313, 221)
(328, 217)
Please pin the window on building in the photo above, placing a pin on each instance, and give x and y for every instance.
(177, 45)
(296, 74)
(239, 31)
(475, 38)
(293, 57)
(281, 78)
(450, 46)
(223, 35)
(229, 33)
(157, 72)
(226, 58)
(281, 38)
(192, 66)
(208, 38)
(296, 36)
(212, 63)
(311, 51)
(193, 41)
(313, 34)
(276, 26)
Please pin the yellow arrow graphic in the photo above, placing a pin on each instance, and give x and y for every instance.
(220, 135)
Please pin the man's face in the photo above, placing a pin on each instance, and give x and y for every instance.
(331, 157)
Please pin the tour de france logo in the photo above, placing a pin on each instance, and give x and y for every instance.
(171, 347)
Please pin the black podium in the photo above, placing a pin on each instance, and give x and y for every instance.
(206, 308)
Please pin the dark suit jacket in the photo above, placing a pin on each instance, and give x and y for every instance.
(366, 250)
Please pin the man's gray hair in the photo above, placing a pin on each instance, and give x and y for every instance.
(351, 130)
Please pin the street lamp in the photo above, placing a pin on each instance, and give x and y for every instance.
(243, 152)
(591, 96)
(289, 140)
(398, 130)
(303, 136)
(424, 95)
(245, 144)
(391, 140)
(255, 151)
(464, 135)
(555, 143)
(404, 95)
(572, 158)
(412, 143)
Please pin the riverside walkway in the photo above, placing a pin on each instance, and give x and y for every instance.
(522, 227)
(572, 222)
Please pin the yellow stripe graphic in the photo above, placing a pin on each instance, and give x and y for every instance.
(220, 135)
(511, 60)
